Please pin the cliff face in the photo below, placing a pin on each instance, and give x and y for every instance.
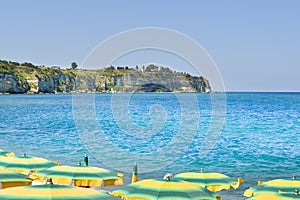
(32, 79)
(9, 83)
(55, 83)
(159, 82)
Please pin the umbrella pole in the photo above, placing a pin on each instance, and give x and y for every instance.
(86, 160)
(134, 174)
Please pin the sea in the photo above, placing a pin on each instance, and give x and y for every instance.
(252, 135)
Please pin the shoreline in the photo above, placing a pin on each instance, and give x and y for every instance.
(139, 92)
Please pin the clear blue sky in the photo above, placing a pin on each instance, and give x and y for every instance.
(255, 44)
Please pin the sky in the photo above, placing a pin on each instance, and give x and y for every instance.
(254, 44)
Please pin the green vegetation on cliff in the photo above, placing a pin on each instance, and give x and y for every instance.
(27, 78)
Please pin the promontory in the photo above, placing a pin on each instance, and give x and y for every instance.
(28, 78)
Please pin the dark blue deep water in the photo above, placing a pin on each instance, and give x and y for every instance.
(260, 136)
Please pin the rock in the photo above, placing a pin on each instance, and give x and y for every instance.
(9, 83)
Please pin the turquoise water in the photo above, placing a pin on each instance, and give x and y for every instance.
(259, 140)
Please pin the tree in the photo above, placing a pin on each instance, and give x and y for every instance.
(74, 65)
(27, 64)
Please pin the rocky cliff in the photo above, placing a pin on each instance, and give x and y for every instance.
(9, 83)
(27, 78)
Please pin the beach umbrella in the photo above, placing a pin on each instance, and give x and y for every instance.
(5, 153)
(2, 152)
(25, 164)
(212, 181)
(12, 179)
(151, 189)
(53, 192)
(274, 196)
(276, 185)
(80, 176)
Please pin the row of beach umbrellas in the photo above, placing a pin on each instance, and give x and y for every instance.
(53, 192)
(40, 169)
(20, 171)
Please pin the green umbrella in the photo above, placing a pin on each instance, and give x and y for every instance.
(12, 179)
(81, 175)
(275, 186)
(5, 153)
(274, 196)
(151, 189)
(212, 181)
(52, 192)
(2, 152)
(24, 164)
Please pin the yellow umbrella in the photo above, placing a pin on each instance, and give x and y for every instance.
(151, 189)
(80, 176)
(2, 152)
(12, 179)
(212, 181)
(24, 164)
(275, 186)
(53, 192)
(274, 196)
(5, 153)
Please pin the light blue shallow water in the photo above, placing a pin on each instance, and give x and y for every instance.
(259, 141)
